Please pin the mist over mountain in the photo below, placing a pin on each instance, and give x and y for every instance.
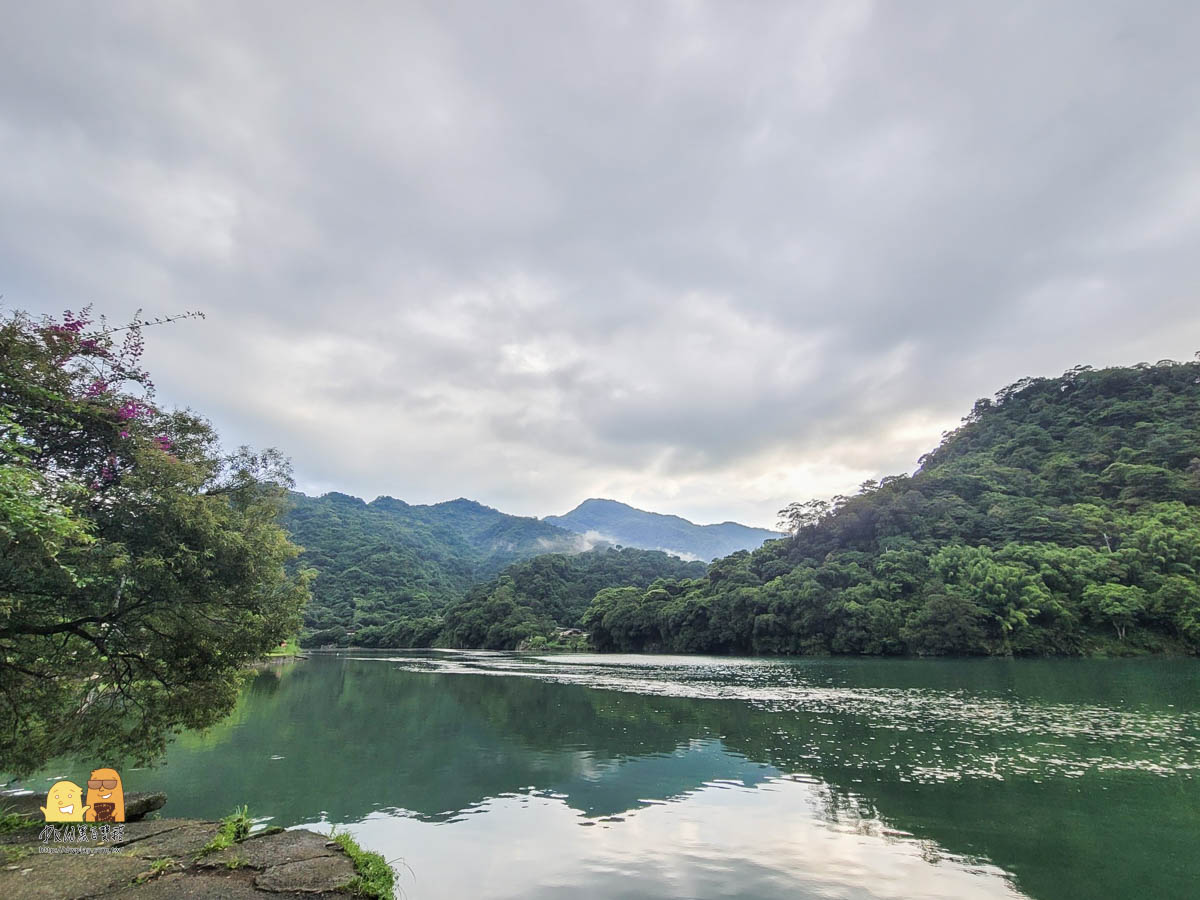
(619, 523)
(388, 561)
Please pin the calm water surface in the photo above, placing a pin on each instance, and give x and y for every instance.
(504, 775)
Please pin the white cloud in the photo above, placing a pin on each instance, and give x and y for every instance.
(704, 258)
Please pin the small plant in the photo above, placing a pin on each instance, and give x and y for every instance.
(156, 868)
(375, 877)
(235, 827)
(11, 821)
(10, 853)
(235, 862)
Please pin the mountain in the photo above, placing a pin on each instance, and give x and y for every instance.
(385, 560)
(1062, 517)
(618, 523)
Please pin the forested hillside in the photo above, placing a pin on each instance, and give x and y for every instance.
(619, 523)
(1062, 517)
(387, 561)
(532, 599)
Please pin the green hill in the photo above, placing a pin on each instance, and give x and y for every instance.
(387, 561)
(619, 523)
(1062, 517)
(534, 598)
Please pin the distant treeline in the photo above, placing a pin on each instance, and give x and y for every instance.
(531, 600)
(527, 605)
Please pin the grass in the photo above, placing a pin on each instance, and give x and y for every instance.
(375, 877)
(10, 853)
(156, 868)
(235, 827)
(291, 649)
(11, 821)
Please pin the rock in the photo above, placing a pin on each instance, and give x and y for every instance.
(207, 886)
(299, 864)
(272, 850)
(308, 876)
(137, 804)
(67, 876)
(136, 831)
(182, 842)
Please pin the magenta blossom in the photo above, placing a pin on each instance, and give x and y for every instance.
(132, 410)
(164, 442)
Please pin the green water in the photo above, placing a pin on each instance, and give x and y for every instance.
(503, 775)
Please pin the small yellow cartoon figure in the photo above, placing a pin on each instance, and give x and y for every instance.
(64, 803)
(106, 799)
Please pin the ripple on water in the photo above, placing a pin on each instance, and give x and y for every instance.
(981, 735)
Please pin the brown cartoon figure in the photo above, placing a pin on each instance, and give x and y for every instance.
(106, 800)
(64, 803)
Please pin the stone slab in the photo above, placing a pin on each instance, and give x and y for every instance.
(181, 843)
(272, 850)
(208, 886)
(67, 876)
(308, 876)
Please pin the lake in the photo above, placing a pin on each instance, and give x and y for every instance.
(513, 775)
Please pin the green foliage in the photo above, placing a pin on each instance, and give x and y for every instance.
(385, 570)
(528, 604)
(140, 567)
(290, 647)
(234, 829)
(11, 821)
(1061, 511)
(375, 877)
(157, 868)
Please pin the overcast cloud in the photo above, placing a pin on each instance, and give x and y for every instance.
(703, 258)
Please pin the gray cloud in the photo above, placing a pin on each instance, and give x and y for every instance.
(706, 258)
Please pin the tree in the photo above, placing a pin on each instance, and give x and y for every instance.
(140, 567)
(947, 623)
(797, 516)
(1060, 509)
(1117, 603)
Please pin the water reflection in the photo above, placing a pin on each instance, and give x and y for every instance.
(725, 841)
(669, 777)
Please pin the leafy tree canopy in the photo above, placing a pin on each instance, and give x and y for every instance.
(140, 567)
(536, 598)
(1062, 517)
(392, 565)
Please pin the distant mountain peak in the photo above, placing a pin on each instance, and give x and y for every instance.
(603, 519)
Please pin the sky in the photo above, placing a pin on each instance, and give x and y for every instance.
(703, 258)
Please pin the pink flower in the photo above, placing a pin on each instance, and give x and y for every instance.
(130, 410)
